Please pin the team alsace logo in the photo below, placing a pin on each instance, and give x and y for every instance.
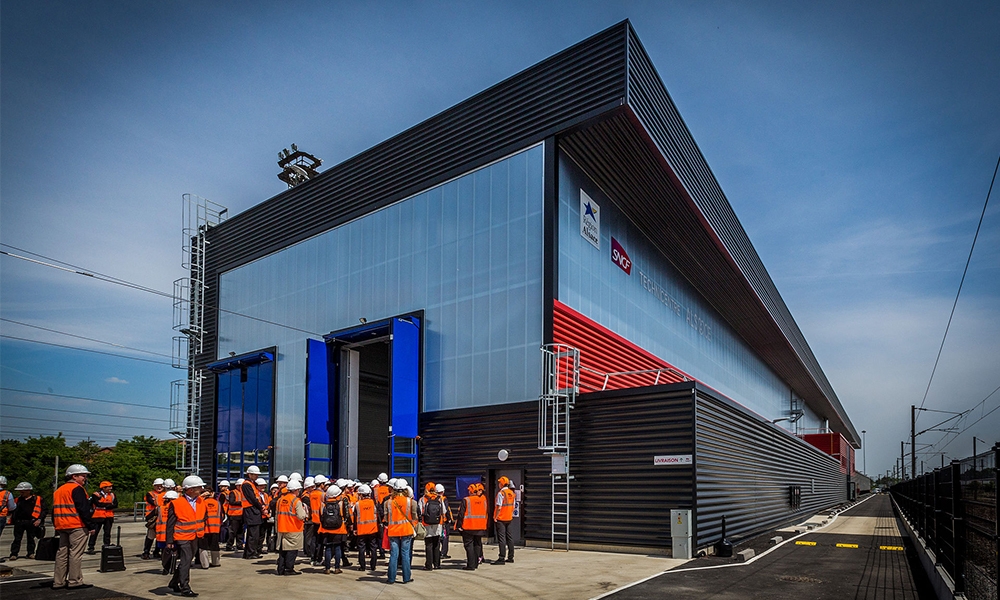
(590, 220)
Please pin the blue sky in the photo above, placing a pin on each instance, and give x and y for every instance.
(856, 142)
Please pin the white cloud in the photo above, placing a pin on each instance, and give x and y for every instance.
(116, 380)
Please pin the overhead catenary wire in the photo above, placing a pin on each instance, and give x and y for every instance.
(81, 412)
(47, 420)
(70, 268)
(8, 389)
(960, 284)
(91, 350)
(83, 337)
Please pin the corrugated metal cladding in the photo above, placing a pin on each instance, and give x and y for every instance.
(614, 436)
(604, 351)
(745, 467)
(651, 106)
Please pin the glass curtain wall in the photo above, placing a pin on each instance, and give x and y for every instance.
(245, 416)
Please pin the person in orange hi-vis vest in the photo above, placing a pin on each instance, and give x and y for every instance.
(472, 523)
(208, 545)
(71, 517)
(252, 511)
(7, 503)
(380, 492)
(28, 517)
(166, 554)
(290, 521)
(449, 520)
(234, 511)
(152, 505)
(316, 496)
(366, 528)
(503, 515)
(334, 523)
(104, 504)
(185, 526)
(400, 521)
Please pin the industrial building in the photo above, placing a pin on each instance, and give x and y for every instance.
(548, 268)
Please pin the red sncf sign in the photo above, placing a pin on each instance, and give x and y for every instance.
(620, 257)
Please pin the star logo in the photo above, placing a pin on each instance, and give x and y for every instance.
(590, 212)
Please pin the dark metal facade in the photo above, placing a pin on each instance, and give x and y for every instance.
(745, 467)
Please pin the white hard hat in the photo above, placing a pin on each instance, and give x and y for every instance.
(374, 482)
(364, 490)
(171, 495)
(294, 484)
(224, 483)
(320, 479)
(391, 483)
(169, 483)
(333, 491)
(295, 476)
(409, 491)
(282, 479)
(3, 481)
(158, 481)
(260, 481)
(274, 485)
(382, 478)
(439, 488)
(309, 482)
(253, 470)
(192, 481)
(72, 470)
(400, 485)
(24, 485)
(240, 481)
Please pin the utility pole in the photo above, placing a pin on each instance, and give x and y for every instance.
(902, 460)
(913, 440)
(864, 452)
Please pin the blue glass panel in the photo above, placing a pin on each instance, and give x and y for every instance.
(404, 390)
(317, 393)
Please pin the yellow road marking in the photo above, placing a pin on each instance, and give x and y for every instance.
(847, 545)
(900, 548)
(805, 543)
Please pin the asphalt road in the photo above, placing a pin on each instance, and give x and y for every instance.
(861, 556)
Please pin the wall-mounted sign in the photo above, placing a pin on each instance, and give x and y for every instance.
(590, 220)
(673, 459)
(620, 257)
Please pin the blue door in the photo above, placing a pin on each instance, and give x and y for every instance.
(404, 395)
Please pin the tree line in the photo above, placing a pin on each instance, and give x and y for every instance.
(131, 465)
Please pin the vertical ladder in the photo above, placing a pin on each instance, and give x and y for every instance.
(560, 386)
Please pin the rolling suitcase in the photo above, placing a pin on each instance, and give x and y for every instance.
(112, 557)
(47, 548)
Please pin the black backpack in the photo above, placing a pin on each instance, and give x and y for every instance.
(432, 512)
(331, 517)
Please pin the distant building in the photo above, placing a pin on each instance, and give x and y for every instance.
(399, 301)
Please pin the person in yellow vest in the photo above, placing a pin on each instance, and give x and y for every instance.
(104, 504)
(152, 504)
(71, 517)
(400, 521)
(366, 528)
(185, 526)
(290, 522)
(27, 517)
(234, 510)
(472, 523)
(166, 554)
(503, 516)
(208, 546)
(7, 503)
(334, 523)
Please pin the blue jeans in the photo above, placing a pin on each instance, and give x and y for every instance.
(400, 546)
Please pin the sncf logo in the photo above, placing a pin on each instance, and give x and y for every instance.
(620, 257)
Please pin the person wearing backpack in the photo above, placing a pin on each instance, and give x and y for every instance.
(366, 528)
(334, 519)
(432, 515)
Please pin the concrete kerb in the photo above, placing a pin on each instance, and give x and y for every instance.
(748, 562)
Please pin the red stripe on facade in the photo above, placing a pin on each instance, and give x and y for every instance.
(605, 351)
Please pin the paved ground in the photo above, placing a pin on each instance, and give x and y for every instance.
(536, 573)
(857, 556)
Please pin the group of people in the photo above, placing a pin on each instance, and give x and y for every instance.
(27, 513)
(326, 519)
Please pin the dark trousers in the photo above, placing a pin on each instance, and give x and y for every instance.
(444, 541)
(505, 538)
(266, 532)
(252, 545)
(309, 540)
(101, 524)
(432, 552)
(185, 552)
(235, 539)
(286, 561)
(368, 545)
(473, 543)
(21, 528)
